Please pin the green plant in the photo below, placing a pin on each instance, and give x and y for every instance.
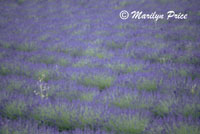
(148, 85)
(183, 128)
(162, 109)
(4, 70)
(63, 62)
(127, 125)
(15, 109)
(125, 101)
(122, 67)
(82, 63)
(44, 74)
(20, 1)
(100, 81)
(114, 45)
(192, 110)
(58, 116)
(14, 84)
(26, 47)
(87, 96)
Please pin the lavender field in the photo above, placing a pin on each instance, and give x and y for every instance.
(76, 67)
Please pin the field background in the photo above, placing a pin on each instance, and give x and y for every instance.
(74, 67)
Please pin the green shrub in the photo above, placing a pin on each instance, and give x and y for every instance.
(183, 72)
(57, 116)
(20, 1)
(121, 67)
(14, 85)
(15, 109)
(183, 128)
(5, 44)
(26, 47)
(100, 81)
(162, 109)
(63, 62)
(125, 101)
(43, 59)
(43, 74)
(87, 96)
(69, 95)
(114, 45)
(148, 85)
(82, 63)
(4, 70)
(127, 125)
(75, 52)
(192, 110)
(65, 119)
(95, 52)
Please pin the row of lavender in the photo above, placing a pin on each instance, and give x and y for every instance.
(75, 67)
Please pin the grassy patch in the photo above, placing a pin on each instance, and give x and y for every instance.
(43, 59)
(20, 1)
(125, 101)
(148, 85)
(115, 45)
(26, 47)
(5, 44)
(63, 62)
(13, 68)
(69, 95)
(44, 74)
(192, 110)
(162, 109)
(127, 125)
(15, 109)
(87, 96)
(4, 70)
(183, 128)
(14, 85)
(82, 63)
(57, 116)
(100, 81)
(95, 52)
(124, 68)
(65, 119)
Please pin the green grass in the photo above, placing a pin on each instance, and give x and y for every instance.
(148, 85)
(43, 59)
(20, 1)
(192, 110)
(115, 45)
(4, 70)
(65, 119)
(82, 63)
(15, 109)
(69, 95)
(183, 128)
(162, 109)
(95, 52)
(14, 85)
(125, 101)
(26, 47)
(14, 68)
(87, 96)
(127, 125)
(100, 81)
(121, 67)
(44, 74)
(5, 44)
(63, 62)
(57, 116)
